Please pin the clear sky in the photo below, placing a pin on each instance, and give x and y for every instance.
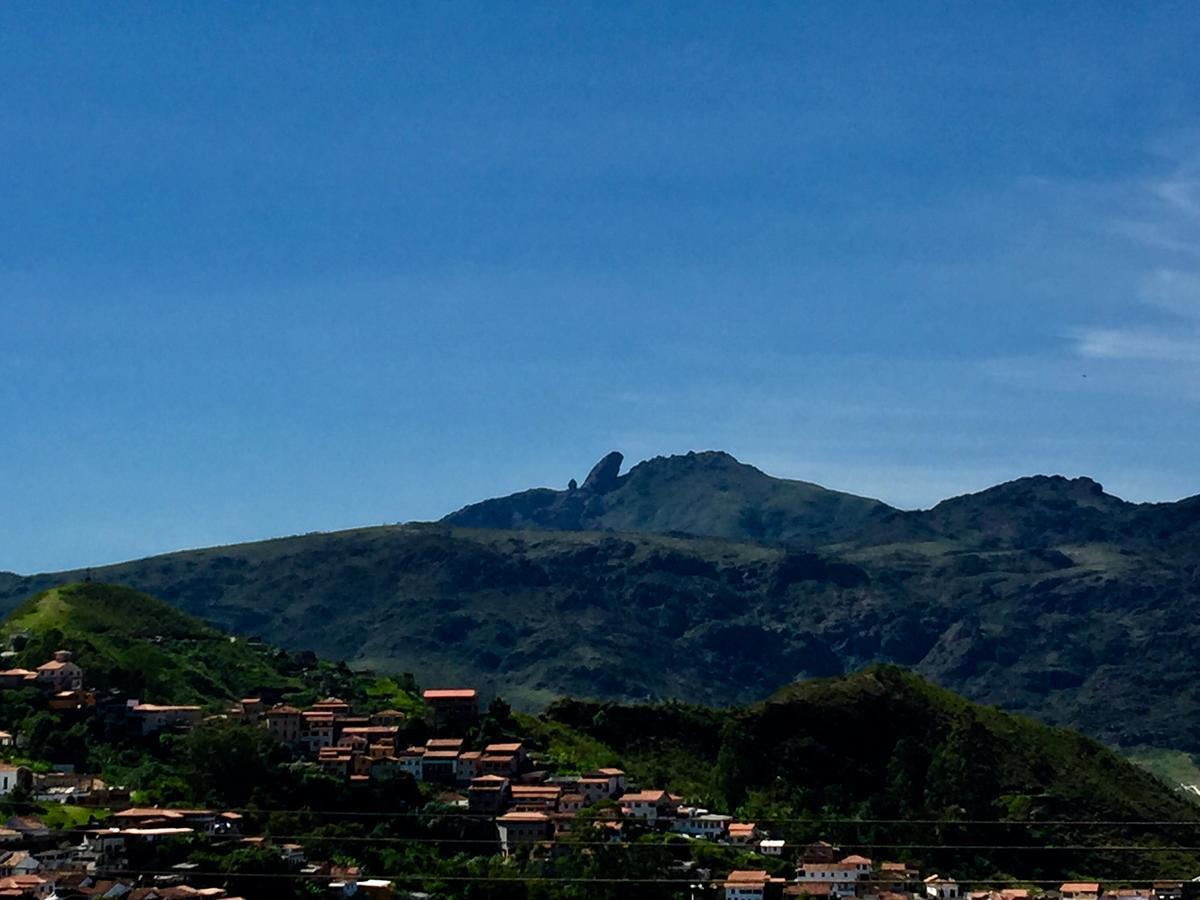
(272, 268)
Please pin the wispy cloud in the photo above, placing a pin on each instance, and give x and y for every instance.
(1162, 322)
(1136, 344)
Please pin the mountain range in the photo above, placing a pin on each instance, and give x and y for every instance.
(702, 578)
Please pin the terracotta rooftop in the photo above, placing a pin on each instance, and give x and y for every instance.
(747, 876)
(523, 817)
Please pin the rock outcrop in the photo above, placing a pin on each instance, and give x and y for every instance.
(604, 474)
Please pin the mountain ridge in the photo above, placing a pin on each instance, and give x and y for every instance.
(660, 495)
(1044, 595)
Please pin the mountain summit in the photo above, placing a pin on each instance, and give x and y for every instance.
(708, 493)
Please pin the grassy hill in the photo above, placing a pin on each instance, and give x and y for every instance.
(883, 745)
(129, 641)
(1045, 595)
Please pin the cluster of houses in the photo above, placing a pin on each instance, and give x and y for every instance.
(38, 863)
(821, 875)
(500, 781)
(62, 680)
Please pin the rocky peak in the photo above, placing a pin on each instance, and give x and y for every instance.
(603, 477)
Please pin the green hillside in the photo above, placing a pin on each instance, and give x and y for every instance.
(145, 648)
(140, 645)
(885, 745)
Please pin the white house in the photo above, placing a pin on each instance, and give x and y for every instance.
(939, 888)
(748, 884)
(646, 805)
(702, 824)
(840, 876)
(12, 777)
(517, 828)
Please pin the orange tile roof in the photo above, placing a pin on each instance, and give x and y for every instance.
(747, 876)
(450, 694)
(523, 817)
(641, 796)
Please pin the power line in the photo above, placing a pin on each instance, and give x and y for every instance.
(815, 822)
(566, 879)
(1107, 848)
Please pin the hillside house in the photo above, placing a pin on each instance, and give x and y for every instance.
(498, 764)
(332, 705)
(17, 678)
(102, 849)
(6, 739)
(18, 862)
(743, 833)
(861, 865)
(939, 888)
(513, 749)
(456, 708)
(594, 789)
(14, 777)
(154, 717)
(469, 766)
(752, 884)
(28, 828)
(410, 761)
(248, 709)
(649, 806)
(771, 846)
(393, 718)
(841, 878)
(1080, 890)
(316, 730)
(440, 766)
(571, 803)
(30, 886)
(60, 673)
(535, 797)
(519, 828)
(285, 724)
(488, 794)
(701, 823)
(614, 777)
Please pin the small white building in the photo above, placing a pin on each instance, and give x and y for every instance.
(842, 878)
(154, 717)
(518, 828)
(771, 846)
(939, 888)
(702, 824)
(13, 777)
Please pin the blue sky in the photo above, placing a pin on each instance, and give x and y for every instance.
(268, 268)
